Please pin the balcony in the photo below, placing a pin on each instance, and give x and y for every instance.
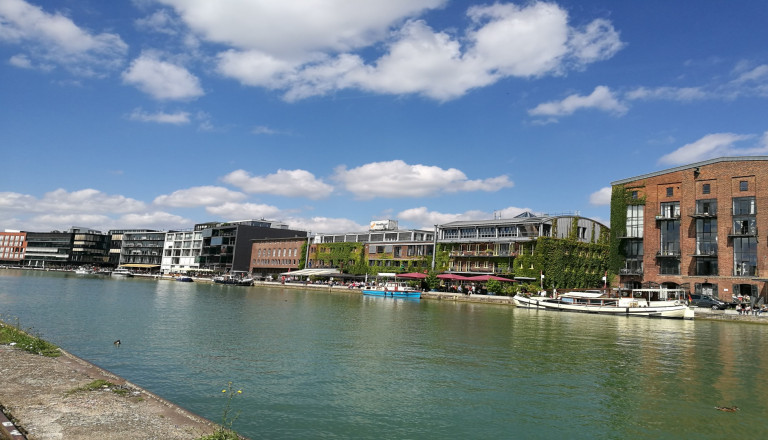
(744, 232)
(668, 216)
(668, 254)
(631, 271)
(702, 214)
(706, 253)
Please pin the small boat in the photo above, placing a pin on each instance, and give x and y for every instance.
(122, 272)
(662, 303)
(84, 271)
(184, 279)
(393, 289)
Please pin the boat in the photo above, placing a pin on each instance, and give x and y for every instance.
(393, 289)
(84, 271)
(234, 280)
(662, 303)
(122, 272)
(184, 279)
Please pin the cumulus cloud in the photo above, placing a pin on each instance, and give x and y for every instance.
(668, 93)
(715, 145)
(62, 201)
(277, 45)
(161, 79)
(54, 39)
(178, 118)
(602, 98)
(426, 219)
(601, 197)
(325, 225)
(199, 196)
(289, 183)
(399, 179)
(231, 210)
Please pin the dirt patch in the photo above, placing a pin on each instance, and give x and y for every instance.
(37, 391)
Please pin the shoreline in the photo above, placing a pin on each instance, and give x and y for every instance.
(39, 394)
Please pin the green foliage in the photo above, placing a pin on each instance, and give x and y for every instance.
(224, 431)
(566, 264)
(620, 199)
(432, 280)
(442, 257)
(303, 257)
(100, 385)
(494, 286)
(24, 340)
(573, 234)
(348, 257)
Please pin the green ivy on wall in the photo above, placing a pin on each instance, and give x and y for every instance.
(566, 264)
(620, 199)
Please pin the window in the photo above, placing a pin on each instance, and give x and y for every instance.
(705, 188)
(743, 185)
(670, 192)
(635, 221)
(670, 210)
(744, 206)
(706, 207)
(706, 236)
(634, 195)
(669, 266)
(744, 256)
(670, 238)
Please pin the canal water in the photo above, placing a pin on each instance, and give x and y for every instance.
(339, 365)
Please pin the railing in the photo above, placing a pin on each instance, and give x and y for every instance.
(668, 254)
(693, 212)
(628, 271)
(675, 216)
(747, 232)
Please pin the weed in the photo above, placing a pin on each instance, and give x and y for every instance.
(100, 385)
(224, 431)
(14, 335)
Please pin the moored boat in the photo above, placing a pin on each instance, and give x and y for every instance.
(184, 279)
(662, 303)
(122, 272)
(233, 280)
(393, 289)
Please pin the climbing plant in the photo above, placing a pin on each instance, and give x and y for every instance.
(620, 199)
(565, 263)
(348, 257)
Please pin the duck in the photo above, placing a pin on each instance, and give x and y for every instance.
(117, 343)
(727, 408)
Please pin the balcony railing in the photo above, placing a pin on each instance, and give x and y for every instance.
(706, 253)
(668, 254)
(697, 213)
(631, 271)
(744, 232)
(668, 216)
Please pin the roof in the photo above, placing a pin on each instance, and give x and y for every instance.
(312, 272)
(690, 166)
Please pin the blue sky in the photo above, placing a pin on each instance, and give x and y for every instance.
(166, 113)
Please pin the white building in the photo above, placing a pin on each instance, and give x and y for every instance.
(181, 251)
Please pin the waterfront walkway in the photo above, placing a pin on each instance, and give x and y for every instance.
(38, 393)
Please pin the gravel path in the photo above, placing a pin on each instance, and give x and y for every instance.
(37, 392)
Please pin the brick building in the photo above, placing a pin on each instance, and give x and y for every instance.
(701, 227)
(271, 256)
(13, 247)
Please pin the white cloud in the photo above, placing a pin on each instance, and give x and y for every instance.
(399, 179)
(714, 145)
(54, 38)
(324, 225)
(61, 201)
(601, 197)
(289, 183)
(755, 74)
(162, 80)
(426, 219)
(684, 94)
(178, 118)
(232, 210)
(22, 61)
(160, 21)
(279, 46)
(601, 98)
(199, 196)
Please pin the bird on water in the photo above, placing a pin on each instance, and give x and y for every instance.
(117, 343)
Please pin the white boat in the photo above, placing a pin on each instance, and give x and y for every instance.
(662, 303)
(84, 271)
(122, 272)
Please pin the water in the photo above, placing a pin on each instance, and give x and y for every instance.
(340, 365)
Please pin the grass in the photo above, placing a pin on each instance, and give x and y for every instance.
(224, 431)
(14, 335)
(100, 385)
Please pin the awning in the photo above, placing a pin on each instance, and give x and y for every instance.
(144, 266)
(312, 272)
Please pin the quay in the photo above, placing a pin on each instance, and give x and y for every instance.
(38, 394)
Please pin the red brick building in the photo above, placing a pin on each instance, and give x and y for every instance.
(271, 256)
(702, 227)
(13, 246)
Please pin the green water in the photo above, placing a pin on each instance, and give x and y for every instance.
(340, 365)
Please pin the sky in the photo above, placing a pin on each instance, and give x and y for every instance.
(329, 114)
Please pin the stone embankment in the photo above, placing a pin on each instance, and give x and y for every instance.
(39, 394)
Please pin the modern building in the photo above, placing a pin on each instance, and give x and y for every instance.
(272, 256)
(384, 247)
(491, 246)
(89, 247)
(116, 243)
(697, 227)
(49, 249)
(13, 247)
(142, 251)
(181, 252)
(227, 245)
